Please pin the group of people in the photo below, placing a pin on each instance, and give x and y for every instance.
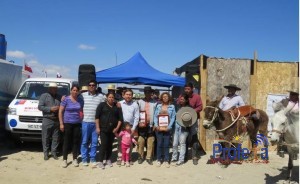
(148, 122)
(82, 117)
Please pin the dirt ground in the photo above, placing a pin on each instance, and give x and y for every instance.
(25, 164)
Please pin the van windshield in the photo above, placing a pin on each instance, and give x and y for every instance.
(32, 90)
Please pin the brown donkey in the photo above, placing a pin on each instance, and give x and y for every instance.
(231, 124)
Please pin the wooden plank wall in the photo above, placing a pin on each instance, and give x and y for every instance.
(275, 78)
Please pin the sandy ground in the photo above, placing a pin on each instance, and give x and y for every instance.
(26, 165)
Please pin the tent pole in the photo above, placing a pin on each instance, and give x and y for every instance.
(203, 84)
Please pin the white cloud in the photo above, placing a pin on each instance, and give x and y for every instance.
(52, 70)
(86, 47)
(38, 67)
(17, 54)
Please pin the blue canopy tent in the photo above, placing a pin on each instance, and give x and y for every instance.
(137, 71)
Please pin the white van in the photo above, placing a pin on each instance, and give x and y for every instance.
(23, 119)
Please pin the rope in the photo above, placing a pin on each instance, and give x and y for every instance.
(231, 123)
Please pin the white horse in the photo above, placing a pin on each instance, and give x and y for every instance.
(286, 123)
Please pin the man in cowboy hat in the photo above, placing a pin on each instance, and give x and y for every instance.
(145, 130)
(231, 99)
(111, 88)
(293, 105)
(49, 104)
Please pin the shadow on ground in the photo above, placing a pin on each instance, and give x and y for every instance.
(283, 176)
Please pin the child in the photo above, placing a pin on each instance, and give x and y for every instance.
(126, 142)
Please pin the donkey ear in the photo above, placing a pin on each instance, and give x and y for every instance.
(207, 99)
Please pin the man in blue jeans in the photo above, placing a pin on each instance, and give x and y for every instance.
(89, 135)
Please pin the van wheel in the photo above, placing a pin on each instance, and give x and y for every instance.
(13, 142)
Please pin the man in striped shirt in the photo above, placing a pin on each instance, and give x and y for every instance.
(91, 100)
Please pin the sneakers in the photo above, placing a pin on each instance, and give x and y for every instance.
(101, 165)
(94, 163)
(179, 163)
(158, 164)
(173, 162)
(127, 164)
(84, 163)
(122, 163)
(149, 161)
(46, 157)
(75, 163)
(108, 163)
(64, 164)
(167, 164)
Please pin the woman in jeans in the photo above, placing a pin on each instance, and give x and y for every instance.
(70, 117)
(162, 134)
(180, 135)
(108, 122)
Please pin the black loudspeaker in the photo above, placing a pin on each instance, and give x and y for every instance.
(86, 72)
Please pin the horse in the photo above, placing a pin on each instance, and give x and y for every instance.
(286, 125)
(229, 127)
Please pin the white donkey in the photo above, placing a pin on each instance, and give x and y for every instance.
(285, 123)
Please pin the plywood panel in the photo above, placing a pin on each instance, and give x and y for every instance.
(275, 78)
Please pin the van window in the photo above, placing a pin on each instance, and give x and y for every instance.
(34, 89)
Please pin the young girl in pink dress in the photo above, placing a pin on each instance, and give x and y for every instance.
(126, 143)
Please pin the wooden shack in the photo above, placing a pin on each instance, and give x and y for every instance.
(256, 78)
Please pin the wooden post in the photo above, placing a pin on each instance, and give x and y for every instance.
(203, 84)
(253, 81)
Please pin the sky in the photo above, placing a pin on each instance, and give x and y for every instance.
(58, 36)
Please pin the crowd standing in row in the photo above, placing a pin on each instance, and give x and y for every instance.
(117, 115)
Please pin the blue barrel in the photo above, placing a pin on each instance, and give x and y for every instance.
(3, 45)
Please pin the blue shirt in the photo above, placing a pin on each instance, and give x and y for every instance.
(171, 113)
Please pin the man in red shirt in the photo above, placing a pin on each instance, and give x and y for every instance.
(196, 103)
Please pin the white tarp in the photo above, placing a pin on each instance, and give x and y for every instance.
(11, 77)
(273, 98)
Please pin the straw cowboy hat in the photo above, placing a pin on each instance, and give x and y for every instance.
(84, 88)
(186, 116)
(111, 87)
(232, 86)
(52, 85)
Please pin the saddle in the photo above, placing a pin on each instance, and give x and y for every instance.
(244, 111)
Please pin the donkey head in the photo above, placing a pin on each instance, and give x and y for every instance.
(277, 106)
(279, 123)
(211, 114)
